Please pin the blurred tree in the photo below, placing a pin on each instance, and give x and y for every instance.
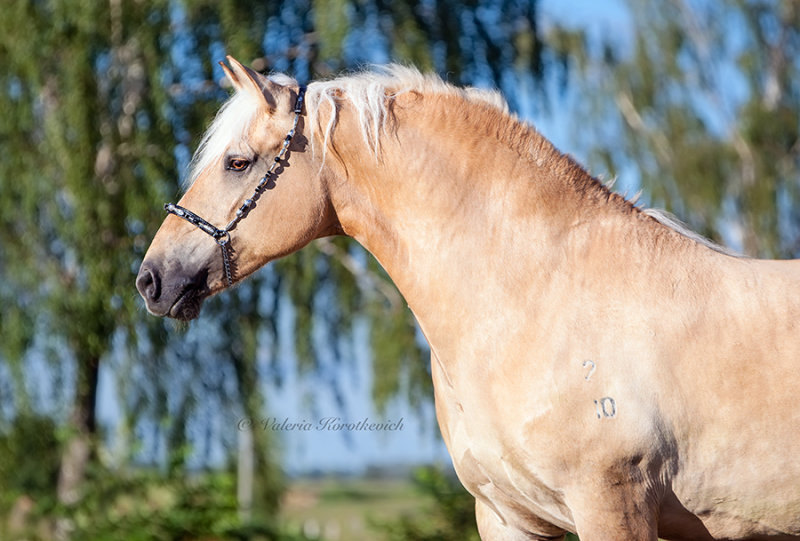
(27, 436)
(706, 105)
(89, 128)
(450, 518)
(79, 149)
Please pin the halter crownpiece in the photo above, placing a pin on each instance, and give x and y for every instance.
(223, 236)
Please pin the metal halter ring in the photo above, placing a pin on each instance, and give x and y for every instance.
(224, 239)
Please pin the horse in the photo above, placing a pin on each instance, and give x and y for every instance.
(597, 368)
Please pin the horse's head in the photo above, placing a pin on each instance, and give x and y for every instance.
(244, 156)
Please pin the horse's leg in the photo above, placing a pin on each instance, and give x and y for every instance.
(616, 513)
(616, 527)
(492, 529)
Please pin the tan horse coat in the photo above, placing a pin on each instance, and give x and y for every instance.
(594, 370)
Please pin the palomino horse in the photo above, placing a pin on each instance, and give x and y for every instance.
(596, 370)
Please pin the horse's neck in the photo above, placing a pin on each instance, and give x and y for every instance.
(466, 209)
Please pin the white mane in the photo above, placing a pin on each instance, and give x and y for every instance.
(667, 219)
(229, 126)
(368, 92)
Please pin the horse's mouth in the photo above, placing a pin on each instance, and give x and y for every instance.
(187, 306)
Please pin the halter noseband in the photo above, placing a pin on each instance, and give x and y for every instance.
(223, 236)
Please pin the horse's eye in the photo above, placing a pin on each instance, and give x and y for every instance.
(238, 164)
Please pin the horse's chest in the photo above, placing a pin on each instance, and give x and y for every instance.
(487, 459)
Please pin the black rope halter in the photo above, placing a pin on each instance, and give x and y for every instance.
(223, 236)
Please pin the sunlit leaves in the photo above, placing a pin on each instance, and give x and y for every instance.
(707, 109)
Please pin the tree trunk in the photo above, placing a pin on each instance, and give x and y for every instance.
(79, 447)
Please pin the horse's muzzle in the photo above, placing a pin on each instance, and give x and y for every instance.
(175, 295)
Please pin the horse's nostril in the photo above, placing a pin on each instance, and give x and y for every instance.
(148, 283)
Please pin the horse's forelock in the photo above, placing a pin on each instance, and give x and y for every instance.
(229, 127)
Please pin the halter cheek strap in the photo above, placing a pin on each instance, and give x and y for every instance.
(223, 236)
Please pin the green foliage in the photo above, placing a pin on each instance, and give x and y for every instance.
(30, 454)
(331, 18)
(399, 364)
(704, 105)
(90, 130)
(450, 518)
(147, 506)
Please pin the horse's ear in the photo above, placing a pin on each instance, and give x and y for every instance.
(245, 79)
